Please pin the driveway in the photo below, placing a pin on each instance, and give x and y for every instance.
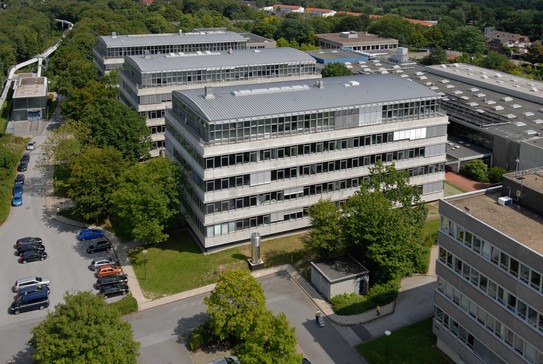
(164, 331)
(66, 264)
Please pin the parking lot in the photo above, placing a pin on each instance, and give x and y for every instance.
(67, 263)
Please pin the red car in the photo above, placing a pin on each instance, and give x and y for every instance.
(108, 270)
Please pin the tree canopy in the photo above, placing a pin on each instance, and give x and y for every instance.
(335, 69)
(84, 330)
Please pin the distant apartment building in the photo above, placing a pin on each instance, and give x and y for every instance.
(320, 12)
(489, 300)
(110, 50)
(498, 39)
(259, 155)
(279, 9)
(355, 41)
(146, 82)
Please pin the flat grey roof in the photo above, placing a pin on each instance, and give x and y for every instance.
(341, 268)
(362, 38)
(462, 150)
(138, 40)
(327, 54)
(220, 60)
(524, 117)
(30, 87)
(294, 97)
(505, 219)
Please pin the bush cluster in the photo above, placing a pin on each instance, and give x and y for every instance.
(478, 171)
(126, 305)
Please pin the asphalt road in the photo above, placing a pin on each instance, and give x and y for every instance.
(66, 265)
(163, 331)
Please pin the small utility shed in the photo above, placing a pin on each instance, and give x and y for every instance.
(342, 275)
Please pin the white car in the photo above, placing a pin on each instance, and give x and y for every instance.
(31, 146)
(30, 282)
(97, 263)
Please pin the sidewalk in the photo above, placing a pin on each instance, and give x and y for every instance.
(465, 183)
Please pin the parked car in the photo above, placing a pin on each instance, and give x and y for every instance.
(114, 290)
(17, 190)
(99, 246)
(32, 289)
(31, 146)
(90, 234)
(20, 179)
(104, 281)
(25, 158)
(108, 270)
(28, 239)
(225, 360)
(23, 166)
(17, 201)
(30, 282)
(32, 256)
(29, 302)
(25, 247)
(98, 262)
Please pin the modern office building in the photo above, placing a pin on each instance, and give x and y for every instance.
(489, 300)
(258, 156)
(356, 41)
(110, 50)
(146, 82)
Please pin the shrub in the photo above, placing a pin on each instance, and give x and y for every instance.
(495, 174)
(126, 305)
(202, 337)
(8, 158)
(475, 169)
(381, 294)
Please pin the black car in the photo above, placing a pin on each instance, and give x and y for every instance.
(25, 158)
(23, 166)
(20, 179)
(108, 280)
(25, 247)
(28, 239)
(99, 246)
(114, 290)
(32, 255)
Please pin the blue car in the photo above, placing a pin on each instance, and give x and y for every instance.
(90, 234)
(18, 190)
(17, 201)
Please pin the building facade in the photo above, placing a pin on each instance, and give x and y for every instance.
(356, 41)
(29, 102)
(109, 52)
(147, 82)
(489, 300)
(258, 156)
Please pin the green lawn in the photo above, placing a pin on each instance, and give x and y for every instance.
(16, 145)
(187, 267)
(451, 189)
(413, 344)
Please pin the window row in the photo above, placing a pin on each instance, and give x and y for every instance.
(494, 290)
(326, 167)
(239, 73)
(465, 337)
(119, 52)
(154, 114)
(158, 129)
(297, 150)
(489, 252)
(488, 321)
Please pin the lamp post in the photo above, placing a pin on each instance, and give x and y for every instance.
(387, 333)
(144, 252)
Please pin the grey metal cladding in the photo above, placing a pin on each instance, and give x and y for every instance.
(305, 96)
(138, 40)
(241, 57)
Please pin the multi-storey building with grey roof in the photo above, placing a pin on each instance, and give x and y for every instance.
(146, 82)
(258, 156)
(110, 50)
(489, 300)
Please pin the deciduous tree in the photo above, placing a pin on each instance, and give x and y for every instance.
(147, 197)
(325, 232)
(236, 305)
(84, 330)
(468, 39)
(94, 177)
(335, 69)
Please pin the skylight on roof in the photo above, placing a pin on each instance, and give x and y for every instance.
(490, 102)
(538, 121)
(516, 106)
(528, 113)
(507, 98)
(530, 132)
(498, 107)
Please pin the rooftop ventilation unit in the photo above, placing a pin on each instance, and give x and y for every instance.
(113, 35)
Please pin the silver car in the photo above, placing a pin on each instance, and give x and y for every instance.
(225, 360)
(97, 263)
(30, 282)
